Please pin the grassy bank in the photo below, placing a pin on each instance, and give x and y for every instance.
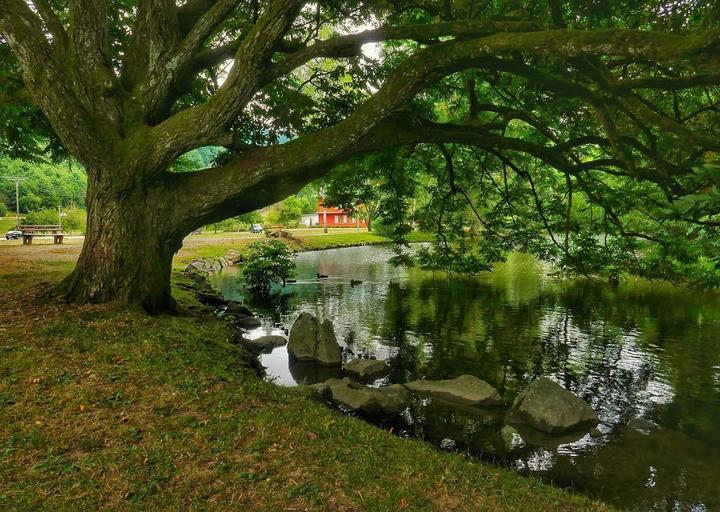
(101, 408)
(317, 240)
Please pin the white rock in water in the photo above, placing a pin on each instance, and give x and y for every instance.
(265, 342)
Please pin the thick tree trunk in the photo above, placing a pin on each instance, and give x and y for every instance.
(128, 251)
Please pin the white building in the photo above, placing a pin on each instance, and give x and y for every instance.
(310, 220)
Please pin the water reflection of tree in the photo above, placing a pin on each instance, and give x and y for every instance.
(615, 345)
(678, 328)
(637, 348)
(399, 309)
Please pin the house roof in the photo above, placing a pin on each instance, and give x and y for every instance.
(330, 209)
(321, 208)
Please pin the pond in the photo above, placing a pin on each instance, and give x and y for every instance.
(646, 356)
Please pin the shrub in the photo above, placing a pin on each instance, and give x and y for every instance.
(3, 210)
(73, 220)
(225, 226)
(268, 262)
(44, 216)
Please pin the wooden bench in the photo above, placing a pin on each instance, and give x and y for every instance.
(31, 231)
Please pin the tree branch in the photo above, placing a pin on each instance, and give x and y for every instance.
(50, 88)
(165, 81)
(424, 68)
(52, 22)
(202, 124)
(351, 45)
(89, 38)
(155, 35)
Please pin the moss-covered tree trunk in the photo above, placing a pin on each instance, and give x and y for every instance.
(128, 250)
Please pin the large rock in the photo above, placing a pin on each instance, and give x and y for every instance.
(314, 341)
(238, 309)
(210, 299)
(466, 390)
(264, 342)
(199, 266)
(247, 322)
(366, 369)
(233, 256)
(322, 390)
(372, 401)
(550, 408)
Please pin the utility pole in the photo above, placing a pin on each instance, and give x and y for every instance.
(17, 180)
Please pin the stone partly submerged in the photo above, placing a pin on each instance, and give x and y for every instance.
(242, 316)
(388, 400)
(465, 390)
(550, 408)
(264, 343)
(366, 369)
(511, 438)
(246, 322)
(235, 308)
(311, 340)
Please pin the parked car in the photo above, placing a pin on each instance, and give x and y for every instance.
(13, 234)
(256, 228)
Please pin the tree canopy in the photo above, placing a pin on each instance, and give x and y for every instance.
(604, 102)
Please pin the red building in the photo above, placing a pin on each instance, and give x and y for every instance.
(332, 217)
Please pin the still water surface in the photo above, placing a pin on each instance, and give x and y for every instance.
(646, 357)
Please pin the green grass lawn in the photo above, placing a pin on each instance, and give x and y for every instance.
(303, 240)
(6, 224)
(107, 409)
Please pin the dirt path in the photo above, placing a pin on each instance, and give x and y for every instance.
(18, 252)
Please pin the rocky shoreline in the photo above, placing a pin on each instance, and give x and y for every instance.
(238, 315)
(210, 266)
(543, 408)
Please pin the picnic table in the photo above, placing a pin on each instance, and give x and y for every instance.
(30, 231)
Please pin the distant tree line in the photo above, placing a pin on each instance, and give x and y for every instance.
(289, 212)
(47, 185)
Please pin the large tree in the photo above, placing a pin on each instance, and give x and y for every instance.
(129, 86)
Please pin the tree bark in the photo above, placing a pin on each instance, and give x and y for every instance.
(127, 255)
